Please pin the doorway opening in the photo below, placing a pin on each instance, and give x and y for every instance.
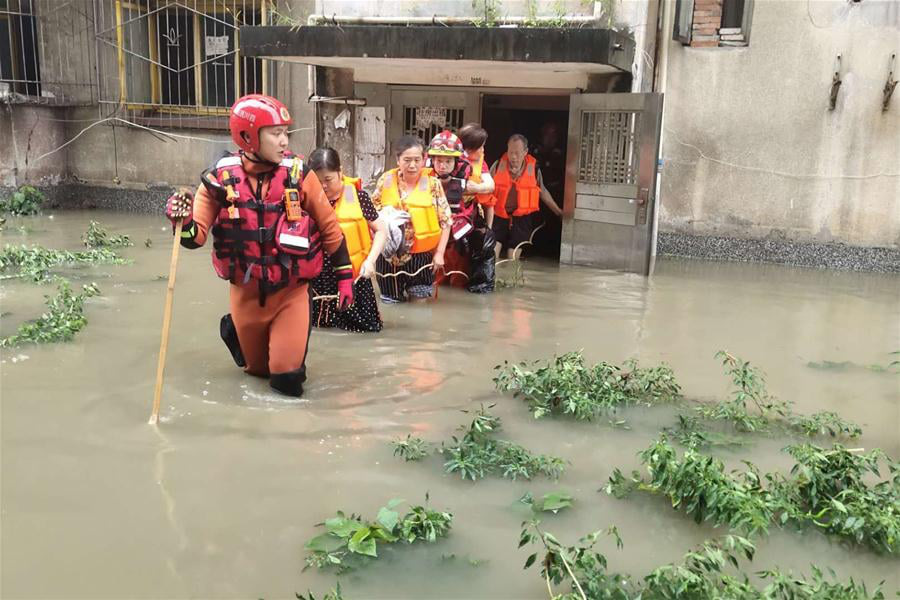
(544, 120)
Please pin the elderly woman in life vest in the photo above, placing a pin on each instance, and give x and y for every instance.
(412, 204)
(518, 187)
(365, 234)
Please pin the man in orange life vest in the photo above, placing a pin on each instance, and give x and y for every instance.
(269, 219)
(518, 187)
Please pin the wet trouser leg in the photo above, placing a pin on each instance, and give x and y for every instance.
(251, 323)
(289, 341)
(229, 336)
(482, 260)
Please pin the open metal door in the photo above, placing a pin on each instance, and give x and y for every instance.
(610, 193)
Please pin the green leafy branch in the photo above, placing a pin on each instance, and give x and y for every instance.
(62, 320)
(477, 453)
(35, 263)
(566, 385)
(351, 537)
(826, 488)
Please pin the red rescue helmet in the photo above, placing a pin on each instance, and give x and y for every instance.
(445, 144)
(250, 114)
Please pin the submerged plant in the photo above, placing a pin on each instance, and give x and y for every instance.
(25, 201)
(477, 453)
(351, 538)
(98, 237)
(566, 385)
(334, 594)
(702, 574)
(412, 448)
(701, 486)
(35, 263)
(62, 320)
(826, 488)
(549, 502)
(752, 409)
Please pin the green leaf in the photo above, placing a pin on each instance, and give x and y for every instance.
(342, 526)
(555, 501)
(361, 543)
(530, 560)
(324, 543)
(388, 518)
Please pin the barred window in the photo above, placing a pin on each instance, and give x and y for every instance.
(19, 61)
(179, 56)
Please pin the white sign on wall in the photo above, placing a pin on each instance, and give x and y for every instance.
(216, 45)
(426, 116)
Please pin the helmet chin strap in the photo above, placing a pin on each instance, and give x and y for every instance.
(252, 157)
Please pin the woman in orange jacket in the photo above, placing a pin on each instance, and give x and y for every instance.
(270, 220)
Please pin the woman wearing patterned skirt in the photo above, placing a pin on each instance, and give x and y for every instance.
(357, 218)
(419, 198)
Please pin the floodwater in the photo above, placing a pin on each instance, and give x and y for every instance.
(219, 500)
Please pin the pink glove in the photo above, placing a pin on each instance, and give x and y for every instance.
(345, 293)
(180, 206)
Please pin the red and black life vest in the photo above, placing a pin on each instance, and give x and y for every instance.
(252, 237)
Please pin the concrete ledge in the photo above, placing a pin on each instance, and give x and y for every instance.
(801, 254)
(75, 196)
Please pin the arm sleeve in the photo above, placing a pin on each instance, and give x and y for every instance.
(445, 216)
(540, 182)
(376, 193)
(485, 187)
(204, 213)
(368, 209)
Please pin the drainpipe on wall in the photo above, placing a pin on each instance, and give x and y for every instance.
(665, 23)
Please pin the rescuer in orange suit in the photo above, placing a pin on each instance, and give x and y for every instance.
(270, 220)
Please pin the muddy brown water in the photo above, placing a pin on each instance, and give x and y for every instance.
(218, 502)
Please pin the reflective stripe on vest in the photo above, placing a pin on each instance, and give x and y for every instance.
(354, 225)
(420, 206)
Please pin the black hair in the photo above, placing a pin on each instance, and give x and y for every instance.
(406, 142)
(325, 158)
(473, 136)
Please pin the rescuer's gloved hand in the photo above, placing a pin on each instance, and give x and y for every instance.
(180, 206)
(345, 293)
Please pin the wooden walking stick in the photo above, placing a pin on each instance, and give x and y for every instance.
(167, 320)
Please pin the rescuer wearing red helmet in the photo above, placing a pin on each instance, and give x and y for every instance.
(473, 249)
(270, 220)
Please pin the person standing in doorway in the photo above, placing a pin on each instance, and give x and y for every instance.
(358, 220)
(412, 201)
(519, 189)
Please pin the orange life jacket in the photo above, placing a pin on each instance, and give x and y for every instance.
(353, 224)
(528, 193)
(420, 206)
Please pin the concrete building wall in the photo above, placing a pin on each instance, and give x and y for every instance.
(28, 132)
(750, 146)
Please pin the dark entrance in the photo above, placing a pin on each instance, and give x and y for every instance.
(544, 120)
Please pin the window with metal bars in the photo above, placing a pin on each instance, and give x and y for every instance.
(19, 60)
(179, 56)
(425, 122)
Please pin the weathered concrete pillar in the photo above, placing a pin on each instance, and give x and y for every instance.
(335, 121)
